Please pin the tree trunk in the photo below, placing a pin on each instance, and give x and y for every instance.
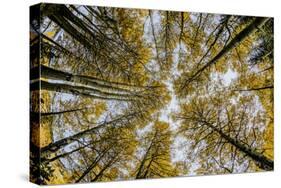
(93, 165)
(255, 89)
(262, 161)
(80, 90)
(139, 176)
(113, 160)
(57, 113)
(50, 73)
(257, 22)
(60, 16)
(44, 160)
(55, 146)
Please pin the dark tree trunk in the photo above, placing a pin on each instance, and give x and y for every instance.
(57, 113)
(257, 22)
(262, 161)
(55, 146)
(255, 89)
(93, 165)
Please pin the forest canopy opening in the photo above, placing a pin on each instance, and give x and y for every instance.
(122, 94)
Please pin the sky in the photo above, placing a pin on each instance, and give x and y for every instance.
(178, 153)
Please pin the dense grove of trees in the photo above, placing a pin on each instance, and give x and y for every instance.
(132, 94)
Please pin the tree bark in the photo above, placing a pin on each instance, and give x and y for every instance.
(80, 90)
(113, 160)
(262, 161)
(257, 22)
(255, 89)
(93, 165)
(44, 160)
(55, 146)
(154, 36)
(139, 174)
(57, 113)
(62, 17)
(51, 73)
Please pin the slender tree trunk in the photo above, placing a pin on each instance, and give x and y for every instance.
(147, 168)
(257, 22)
(139, 174)
(44, 160)
(80, 90)
(113, 160)
(262, 161)
(93, 165)
(58, 113)
(255, 89)
(56, 45)
(55, 146)
(197, 31)
(167, 36)
(218, 34)
(60, 15)
(154, 36)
